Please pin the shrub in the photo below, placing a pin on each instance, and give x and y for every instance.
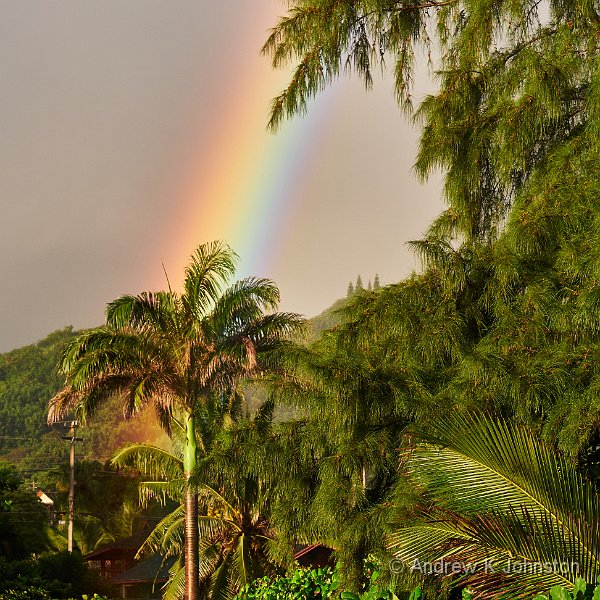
(302, 584)
(50, 577)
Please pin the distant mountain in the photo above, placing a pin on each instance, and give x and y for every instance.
(329, 318)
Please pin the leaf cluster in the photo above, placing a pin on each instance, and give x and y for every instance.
(510, 512)
(301, 584)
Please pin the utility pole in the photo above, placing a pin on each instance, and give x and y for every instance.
(72, 439)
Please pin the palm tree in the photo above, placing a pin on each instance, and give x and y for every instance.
(502, 508)
(175, 350)
(235, 538)
(164, 481)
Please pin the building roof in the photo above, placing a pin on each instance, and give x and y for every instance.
(301, 549)
(129, 544)
(150, 569)
(44, 499)
(313, 555)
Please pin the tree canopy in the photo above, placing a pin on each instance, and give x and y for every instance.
(503, 316)
(518, 88)
(176, 352)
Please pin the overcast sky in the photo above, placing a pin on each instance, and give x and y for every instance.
(121, 118)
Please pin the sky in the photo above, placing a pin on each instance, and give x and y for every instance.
(132, 131)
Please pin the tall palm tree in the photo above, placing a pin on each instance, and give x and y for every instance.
(502, 510)
(174, 350)
(236, 542)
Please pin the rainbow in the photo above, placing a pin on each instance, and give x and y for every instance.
(244, 183)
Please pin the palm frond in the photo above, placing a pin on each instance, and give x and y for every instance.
(210, 558)
(174, 589)
(61, 404)
(271, 330)
(150, 460)
(242, 571)
(147, 311)
(211, 527)
(161, 491)
(210, 266)
(243, 302)
(220, 588)
(500, 465)
(505, 504)
(167, 537)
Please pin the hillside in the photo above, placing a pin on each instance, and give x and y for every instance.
(29, 378)
(329, 318)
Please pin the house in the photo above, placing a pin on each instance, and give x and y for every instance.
(116, 564)
(45, 499)
(144, 580)
(313, 555)
(116, 558)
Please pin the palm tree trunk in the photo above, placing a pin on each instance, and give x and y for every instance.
(191, 514)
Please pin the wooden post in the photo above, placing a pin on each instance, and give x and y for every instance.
(71, 485)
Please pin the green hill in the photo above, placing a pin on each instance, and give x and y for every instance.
(329, 318)
(29, 378)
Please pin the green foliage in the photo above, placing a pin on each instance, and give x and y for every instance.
(307, 584)
(514, 516)
(9, 477)
(24, 521)
(375, 591)
(581, 591)
(26, 593)
(509, 326)
(28, 377)
(417, 594)
(302, 584)
(48, 577)
(340, 487)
